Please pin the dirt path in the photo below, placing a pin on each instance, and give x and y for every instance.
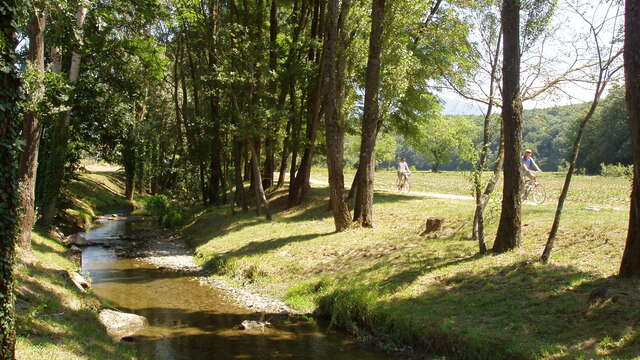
(413, 193)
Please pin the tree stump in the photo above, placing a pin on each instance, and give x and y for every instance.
(433, 224)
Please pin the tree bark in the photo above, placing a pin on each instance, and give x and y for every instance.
(509, 232)
(630, 265)
(334, 129)
(483, 198)
(363, 210)
(299, 184)
(9, 159)
(31, 131)
(57, 162)
(478, 219)
(217, 184)
(270, 142)
(239, 197)
(261, 199)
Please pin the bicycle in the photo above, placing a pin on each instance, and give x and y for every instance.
(533, 191)
(402, 183)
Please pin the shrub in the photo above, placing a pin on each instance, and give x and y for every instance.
(616, 170)
(169, 215)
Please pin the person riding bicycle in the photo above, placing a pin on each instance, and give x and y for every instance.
(529, 171)
(529, 166)
(403, 170)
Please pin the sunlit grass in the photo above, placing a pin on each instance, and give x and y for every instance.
(584, 190)
(438, 293)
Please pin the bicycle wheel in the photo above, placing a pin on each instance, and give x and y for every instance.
(406, 186)
(538, 194)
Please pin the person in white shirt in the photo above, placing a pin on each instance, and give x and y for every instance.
(403, 170)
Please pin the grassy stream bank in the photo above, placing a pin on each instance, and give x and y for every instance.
(55, 320)
(436, 293)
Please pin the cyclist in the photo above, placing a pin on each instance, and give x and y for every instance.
(403, 171)
(529, 165)
(530, 169)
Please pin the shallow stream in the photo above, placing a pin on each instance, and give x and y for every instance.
(191, 321)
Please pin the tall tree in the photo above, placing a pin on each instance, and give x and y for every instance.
(334, 128)
(630, 265)
(32, 125)
(508, 235)
(607, 57)
(56, 163)
(363, 210)
(10, 97)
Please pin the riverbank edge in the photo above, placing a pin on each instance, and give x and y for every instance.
(55, 320)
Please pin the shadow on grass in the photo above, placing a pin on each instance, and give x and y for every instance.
(257, 247)
(42, 247)
(520, 310)
(100, 197)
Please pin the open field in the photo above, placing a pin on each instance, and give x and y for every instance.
(584, 190)
(438, 293)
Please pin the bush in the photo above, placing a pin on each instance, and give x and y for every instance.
(169, 215)
(616, 170)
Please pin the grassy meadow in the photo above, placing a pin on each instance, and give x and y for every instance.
(437, 293)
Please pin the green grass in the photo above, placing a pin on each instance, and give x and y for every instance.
(56, 321)
(93, 194)
(584, 190)
(438, 293)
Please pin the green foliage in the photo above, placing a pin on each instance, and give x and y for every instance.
(616, 170)
(169, 214)
(441, 138)
(606, 137)
(11, 100)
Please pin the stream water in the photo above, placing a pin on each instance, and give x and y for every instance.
(191, 321)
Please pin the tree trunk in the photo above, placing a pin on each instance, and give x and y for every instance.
(478, 219)
(546, 254)
(272, 133)
(239, 197)
(284, 155)
(509, 231)
(9, 159)
(57, 162)
(363, 210)
(630, 265)
(31, 131)
(261, 199)
(301, 182)
(483, 198)
(334, 129)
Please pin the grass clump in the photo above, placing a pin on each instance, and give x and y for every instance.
(54, 320)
